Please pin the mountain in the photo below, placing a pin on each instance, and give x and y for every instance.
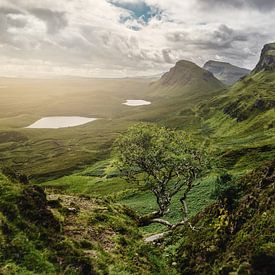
(267, 59)
(186, 78)
(242, 120)
(225, 72)
(234, 234)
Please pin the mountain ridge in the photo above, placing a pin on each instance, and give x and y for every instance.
(225, 72)
(186, 77)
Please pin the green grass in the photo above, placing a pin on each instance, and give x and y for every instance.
(50, 153)
(47, 155)
(198, 199)
(98, 184)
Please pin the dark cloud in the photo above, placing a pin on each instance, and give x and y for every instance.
(6, 21)
(222, 38)
(229, 44)
(261, 5)
(166, 56)
(55, 20)
(17, 22)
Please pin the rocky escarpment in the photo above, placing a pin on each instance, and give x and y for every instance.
(267, 60)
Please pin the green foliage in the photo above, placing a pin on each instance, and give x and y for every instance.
(99, 237)
(161, 160)
(238, 239)
(226, 190)
(158, 151)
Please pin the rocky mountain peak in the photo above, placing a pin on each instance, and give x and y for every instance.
(267, 59)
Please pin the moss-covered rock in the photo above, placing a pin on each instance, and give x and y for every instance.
(236, 239)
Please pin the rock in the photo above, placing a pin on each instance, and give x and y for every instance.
(72, 210)
(267, 59)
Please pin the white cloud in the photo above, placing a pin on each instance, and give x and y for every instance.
(97, 38)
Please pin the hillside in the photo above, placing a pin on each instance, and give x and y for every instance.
(225, 72)
(79, 224)
(62, 234)
(235, 235)
(185, 78)
(242, 120)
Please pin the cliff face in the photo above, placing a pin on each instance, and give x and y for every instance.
(267, 60)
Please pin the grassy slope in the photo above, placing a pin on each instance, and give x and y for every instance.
(101, 181)
(245, 112)
(75, 235)
(253, 143)
(185, 79)
(236, 234)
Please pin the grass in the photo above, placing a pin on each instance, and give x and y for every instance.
(79, 153)
(95, 181)
(100, 238)
(50, 153)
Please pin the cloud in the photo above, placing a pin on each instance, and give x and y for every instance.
(138, 9)
(55, 20)
(261, 5)
(129, 37)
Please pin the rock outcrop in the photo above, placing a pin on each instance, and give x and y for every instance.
(267, 60)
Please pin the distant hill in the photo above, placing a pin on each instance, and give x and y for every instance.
(186, 78)
(225, 72)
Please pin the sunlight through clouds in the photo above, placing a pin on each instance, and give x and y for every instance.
(120, 38)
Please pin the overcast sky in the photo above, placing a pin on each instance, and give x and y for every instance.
(117, 38)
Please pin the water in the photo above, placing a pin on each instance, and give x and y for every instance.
(135, 102)
(55, 122)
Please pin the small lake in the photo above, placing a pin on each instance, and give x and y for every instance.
(55, 122)
(136, 102)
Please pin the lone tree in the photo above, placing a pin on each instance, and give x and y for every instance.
(164, 161)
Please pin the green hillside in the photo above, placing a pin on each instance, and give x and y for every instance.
(236, 234)
(61, 234)
(241, 121)
(185, 78)
(86, 221)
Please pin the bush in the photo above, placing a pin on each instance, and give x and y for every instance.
(227, 191)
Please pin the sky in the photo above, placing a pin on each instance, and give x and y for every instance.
(124, 38)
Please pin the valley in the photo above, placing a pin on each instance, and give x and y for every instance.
(72, 170)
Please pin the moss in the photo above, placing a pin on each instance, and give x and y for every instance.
(237, 239)
(29, 233)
